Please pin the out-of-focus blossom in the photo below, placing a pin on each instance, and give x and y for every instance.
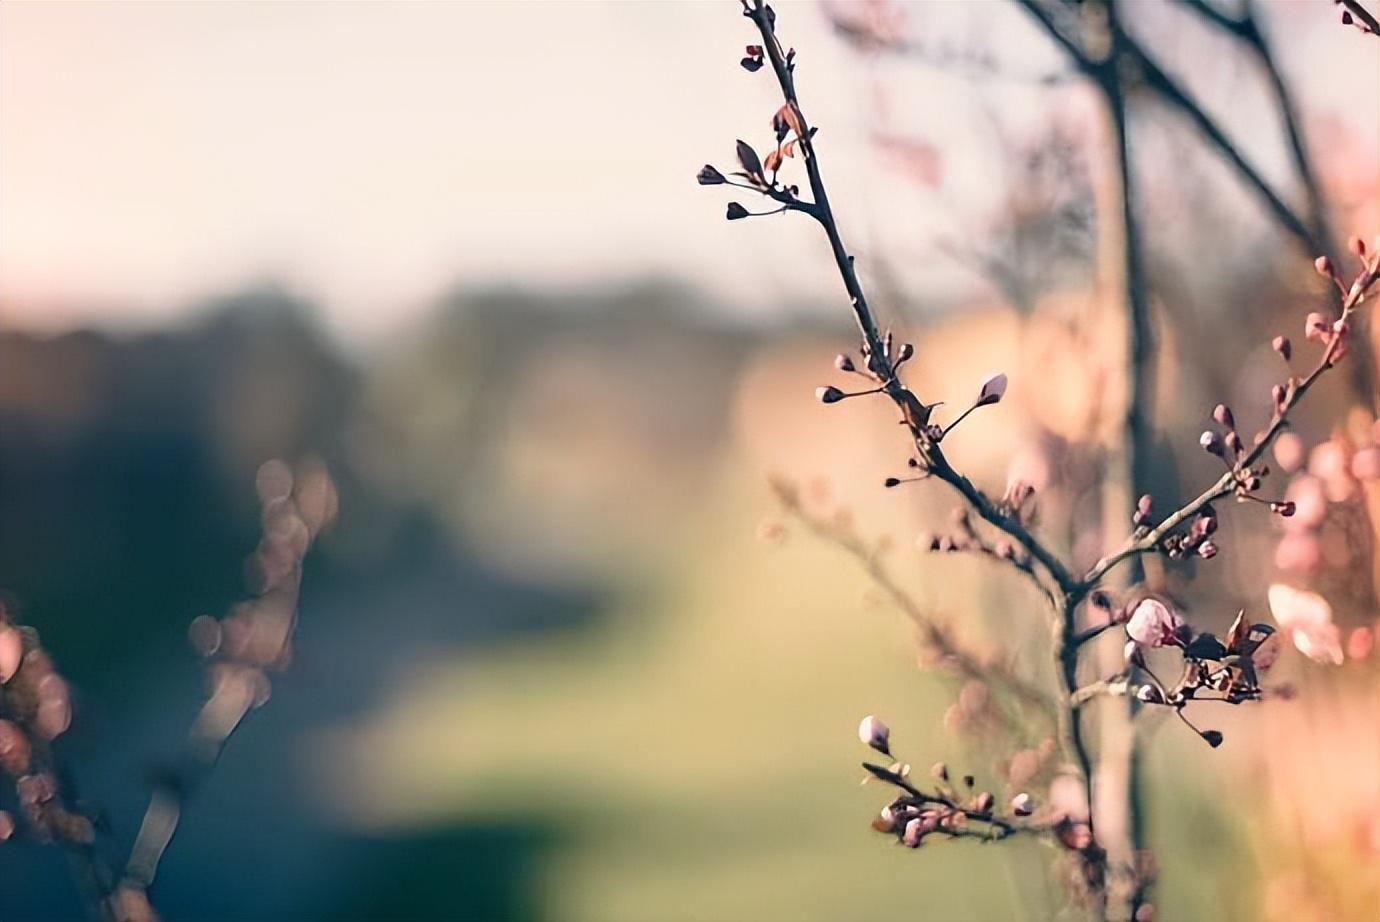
(1359, 643)
(1310, 501)
(1068, 798)
(1153, 624)
(1298, 552)
(1365, 464)
(1289, 451)
(11, 652)
(1307, 618)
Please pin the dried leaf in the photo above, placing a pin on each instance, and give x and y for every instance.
(791, 118)
(773, 161)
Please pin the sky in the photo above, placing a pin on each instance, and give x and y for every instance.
(370, 156)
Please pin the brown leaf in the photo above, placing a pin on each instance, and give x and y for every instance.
(791, 117)
(773, 161)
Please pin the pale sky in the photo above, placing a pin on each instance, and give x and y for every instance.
(370, 155)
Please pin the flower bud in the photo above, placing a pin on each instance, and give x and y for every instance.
(1282, 345)
(984, 802)
(1022, 804)
(829, 394)
(1285, 508)
(1323, 266)
(904, 353)
(843, 362)
(875, 734)
(709, 176)
(1315, 326)
(1214, 738)
(939, 771)
(1222, 413)
(735, 211)
(1149, 694)
(1357, 246)
(993, 389)
(1207, 550)
(915, 832)
(1211, 442)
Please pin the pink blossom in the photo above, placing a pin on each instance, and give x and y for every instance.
(1153, 624)
(1307, 618)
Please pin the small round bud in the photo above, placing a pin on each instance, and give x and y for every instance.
(1357, 246)
(875, 734)
(1222, 413)
(891, 482)
(1232, 442)
(915, 833)
(1022, 804)
(1214, 738)
(1315, 326)
(735, 212)
(1207, 550)
(1282, 345)
(1277, 394)
(1211, 442)
(905, 352)
(1323, 266)
(829, 394)
(939, 771)
(1285, 509)
(843, 362)
(984, 802)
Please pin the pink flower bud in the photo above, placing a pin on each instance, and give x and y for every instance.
(1222, 413)
(915, 831)
(875, 734)
(1323, 266)
(1211, 442)
(993, 389)
(843, 362)
(1022, 804)
(1315, 326)
(1282, 345)
(1153, 624)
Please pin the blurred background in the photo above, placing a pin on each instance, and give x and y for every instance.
(564, 657)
